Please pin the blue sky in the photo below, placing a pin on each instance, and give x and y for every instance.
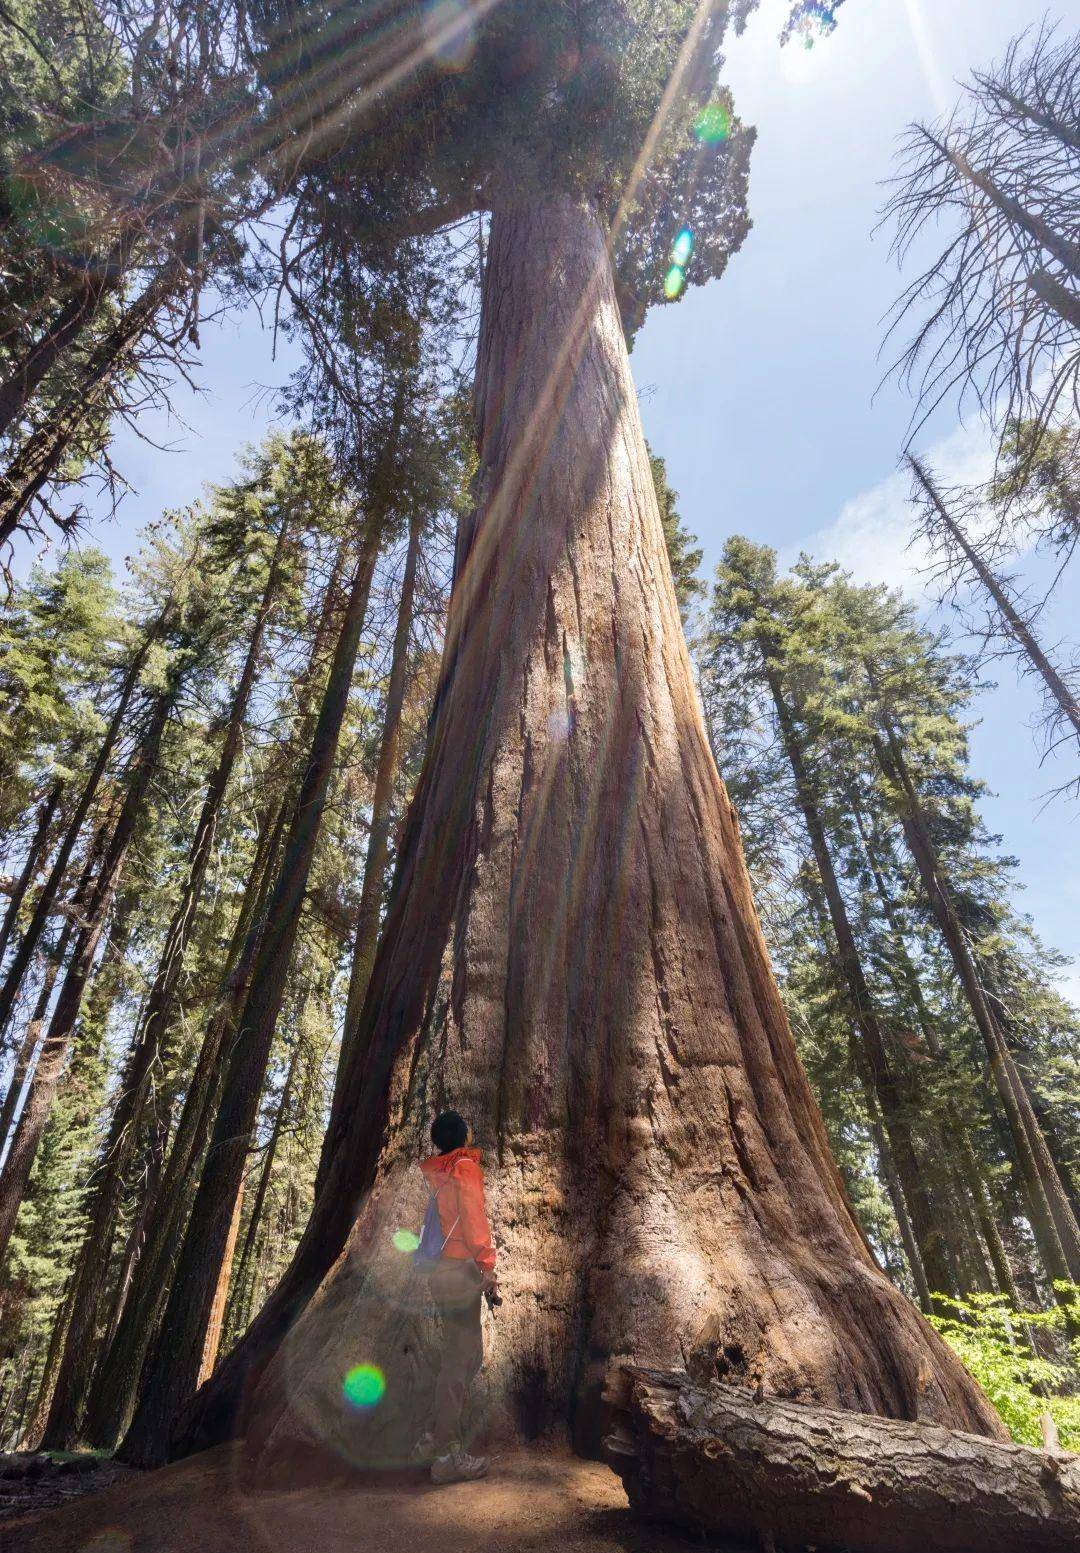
(760, 389)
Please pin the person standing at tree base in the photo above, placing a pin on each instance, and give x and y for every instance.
(457, 1249)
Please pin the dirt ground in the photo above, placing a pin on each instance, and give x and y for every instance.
(531, 1501)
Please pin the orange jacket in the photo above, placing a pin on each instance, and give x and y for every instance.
(458, 1184)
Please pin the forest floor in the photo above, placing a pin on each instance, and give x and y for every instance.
(532, 1500)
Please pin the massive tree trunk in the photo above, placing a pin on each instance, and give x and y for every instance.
(727, 1463)
(150, 1055)
(572, 958)
(174, 1360)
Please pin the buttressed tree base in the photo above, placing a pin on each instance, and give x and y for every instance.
(573, 960)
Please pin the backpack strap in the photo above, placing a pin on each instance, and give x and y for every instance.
(453, 1227)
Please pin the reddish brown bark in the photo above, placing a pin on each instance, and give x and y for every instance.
(572, 958)
(221, 1293)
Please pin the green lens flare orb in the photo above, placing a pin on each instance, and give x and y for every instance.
(404, 1240)
(364, 1386)
(713, 124)
(674, 281)
(682, 247)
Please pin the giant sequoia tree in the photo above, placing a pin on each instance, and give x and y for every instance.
(571, 953)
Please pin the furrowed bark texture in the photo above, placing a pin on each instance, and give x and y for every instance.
(720, 1461)
(571, 957)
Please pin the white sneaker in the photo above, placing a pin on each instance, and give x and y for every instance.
(458, 1467)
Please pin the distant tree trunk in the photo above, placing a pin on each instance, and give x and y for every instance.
(28, 1046)
(138, 1309)
(571, 957)
(212, 1340)
(173, 1364)
(35, 854)
(54, 1049)
(1052, 1222)
(50, 890)
(893, 1186)
(369, 913)
(259, 1201)
(44, 449)
(27, 375)
(54, 959)
(903, 1158)
(959, 1138)
(149, 1055)
(1017, 628)
(861, 1067)
(36, 1422)
(143, 1289)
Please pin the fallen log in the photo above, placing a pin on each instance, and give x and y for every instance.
(726, 1461)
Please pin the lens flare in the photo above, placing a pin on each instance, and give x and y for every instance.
(364, 1386)
(404, 1240)
(450, 33)
(674, 281)
(682, 248)
(713, 124)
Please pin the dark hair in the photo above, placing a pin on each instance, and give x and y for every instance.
(449, 1131)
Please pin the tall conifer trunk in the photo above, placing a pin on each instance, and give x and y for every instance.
(1053, 1224)
(138, 1308)
(175, 1358)
(44, 448)
(35, 855)
(572, 958)
(41, 1090)
(49, 893)
(28, 373)
(369, 912)
(925, 1224)
(150, 1053)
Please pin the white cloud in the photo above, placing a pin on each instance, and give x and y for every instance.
(871, 534)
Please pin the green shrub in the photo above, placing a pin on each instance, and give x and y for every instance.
(994, 1342)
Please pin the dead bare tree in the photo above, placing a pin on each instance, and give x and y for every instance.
(964, 560)
(996, 313)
